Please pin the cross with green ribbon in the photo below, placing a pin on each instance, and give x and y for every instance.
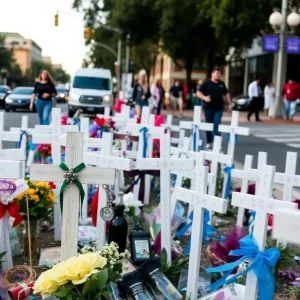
(71, 176)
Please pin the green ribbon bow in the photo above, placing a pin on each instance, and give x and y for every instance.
(71, 177)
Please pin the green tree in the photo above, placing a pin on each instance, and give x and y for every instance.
(61, 76)
(6, 56)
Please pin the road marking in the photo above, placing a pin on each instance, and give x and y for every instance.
(284, 140)
(294, 145)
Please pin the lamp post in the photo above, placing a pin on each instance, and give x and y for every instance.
(281, 20)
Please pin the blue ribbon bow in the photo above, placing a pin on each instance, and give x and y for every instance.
(194, 133)
(23, 133)
(208, 231)
(261, 266)
(228, 170)
(236, 138)
(144, 130)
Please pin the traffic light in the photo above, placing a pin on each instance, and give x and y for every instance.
(88, 33)
(56, 19)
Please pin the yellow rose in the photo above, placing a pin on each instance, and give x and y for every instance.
(95, 259)
(46, 285)
(31, 191)
(51, 197)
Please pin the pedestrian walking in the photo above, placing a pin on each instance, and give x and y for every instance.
(141, 94)
(162, 96)
(269, 95)
(176, 97)
(198, 100)
(291, 92)
(155, 97)
(212, 92)
(44, 91)
(254, 93)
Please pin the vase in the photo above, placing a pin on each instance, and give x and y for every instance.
(31, 240)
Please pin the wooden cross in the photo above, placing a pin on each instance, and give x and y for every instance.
(288, 179)
(124, 116)
(263, 204)
(233, 129)
(174, 128)
(106, 160)
(201, 201)
(286, 226)
(165, 164)
(8, 170)
(54, 134)
(89, 175)
(247, 175)
(29, 131)
(7, 135)
(196, 142)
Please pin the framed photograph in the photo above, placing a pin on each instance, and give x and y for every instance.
(140, 247)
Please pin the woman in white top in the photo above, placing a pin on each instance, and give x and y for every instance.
(269, 94)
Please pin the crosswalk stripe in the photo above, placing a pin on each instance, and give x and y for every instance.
(284, 140)
(268, 135)
(294, 145)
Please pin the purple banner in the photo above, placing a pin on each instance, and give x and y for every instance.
(271, 43)
(293, 45)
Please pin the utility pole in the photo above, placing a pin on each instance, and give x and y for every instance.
(119, 64)
(281, 64)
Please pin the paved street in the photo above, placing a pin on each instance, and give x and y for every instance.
(275, 139)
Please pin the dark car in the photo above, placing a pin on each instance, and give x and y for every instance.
(19, 99)
(242, 103)
(4, 92)
(61, 95)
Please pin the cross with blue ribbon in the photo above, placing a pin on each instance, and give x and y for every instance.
(144, 130)
(262, 264)
(227, 170)
(195, 130)
(208, 231)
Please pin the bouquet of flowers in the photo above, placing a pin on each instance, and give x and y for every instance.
(42, 152)
(40, 197)
(101, 125)
(85, 276)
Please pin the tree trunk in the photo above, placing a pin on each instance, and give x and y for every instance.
(209, 62)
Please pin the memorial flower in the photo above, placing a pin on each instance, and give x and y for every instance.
(84, 276)
(41, 199)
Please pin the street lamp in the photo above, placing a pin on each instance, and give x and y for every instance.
(280, 21)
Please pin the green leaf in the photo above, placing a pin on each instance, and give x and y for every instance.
(2, 254)
(164, 258)
(102, 279)
(87, 286)
(65, 290)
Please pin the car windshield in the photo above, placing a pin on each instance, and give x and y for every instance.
(93, 83)
(23, 91)
(3, 90)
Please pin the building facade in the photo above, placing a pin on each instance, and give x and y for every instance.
(25, 50)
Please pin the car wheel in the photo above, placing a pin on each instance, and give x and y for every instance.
(6, 109)
(70, 113)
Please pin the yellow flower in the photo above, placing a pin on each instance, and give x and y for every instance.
(46, 285)
(31, 191)
(51, 197)
(94, 259)
(35, 198)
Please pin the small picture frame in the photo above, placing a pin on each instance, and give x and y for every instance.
(140, 246)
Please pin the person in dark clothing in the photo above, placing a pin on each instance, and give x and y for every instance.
(176, 97)
(141, 94)
(212, 93)
(198, 100)
(44, 90)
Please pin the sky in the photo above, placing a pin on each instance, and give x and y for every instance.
(34, 19)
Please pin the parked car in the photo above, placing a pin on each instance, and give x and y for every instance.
(61, 95)
(18, 99)
(91, 91)
(4, 92)
(242, 103)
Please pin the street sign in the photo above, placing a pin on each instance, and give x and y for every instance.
(293, 45)
(271, 43)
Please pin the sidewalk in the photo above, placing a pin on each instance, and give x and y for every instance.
(242, 119)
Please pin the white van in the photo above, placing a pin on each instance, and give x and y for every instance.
(91, 91)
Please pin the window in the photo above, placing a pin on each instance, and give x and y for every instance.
(93, 83)
(23, 91)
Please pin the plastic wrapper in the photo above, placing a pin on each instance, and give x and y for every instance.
(219, 252)
(203, 283)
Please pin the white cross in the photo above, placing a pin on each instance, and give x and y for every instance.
(106, 113)
(196, 122)
(89, 175)
(8, 170)
(29, 131)
(247, 175)
(200, 200)
(262, 204)
(286, 226)
(7, 135)
(174, 128)
(106, 160)
(124, 116)
(54, 134)
(233, 129)
(165, 164)
(88, 143)
(288, 179)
